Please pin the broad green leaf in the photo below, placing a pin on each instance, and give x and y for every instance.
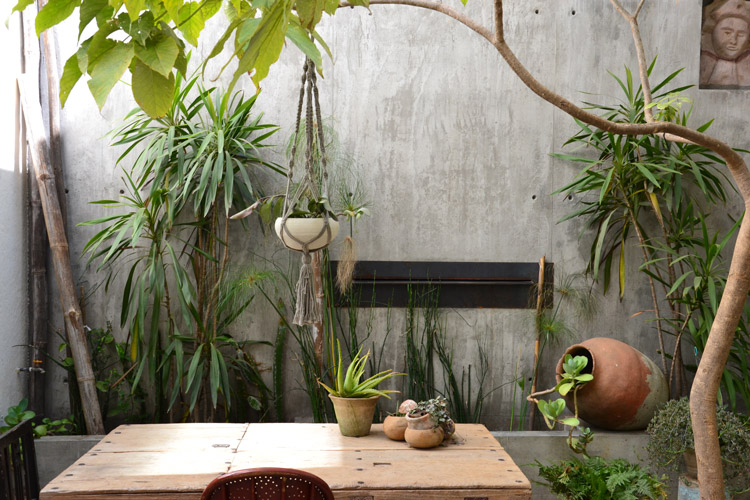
(141, 29)
(571, 421)
(91, 53)
(21, 5)
(565, 388)
(265, 45)
(223, 39)
(299, 37)
(152, 91)
(89, 10)
(246, 30)
(53, 13)
(310, 12)
(173, 8)
(361, 3)
(159, 54)
(191, 22)
(71, 75)
(331, 6)
(134, 8)
(108, 71)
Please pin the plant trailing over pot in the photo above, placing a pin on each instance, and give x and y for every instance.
(429, 424)
(354, 399)
(670, 437)
(602, 479)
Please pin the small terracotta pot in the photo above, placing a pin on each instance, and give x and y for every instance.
(424, 438)
(354, 415)
(419, 421)
(394, 427)
(627, 386)
(421, 431)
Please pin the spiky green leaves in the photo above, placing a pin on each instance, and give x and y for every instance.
(347, 384)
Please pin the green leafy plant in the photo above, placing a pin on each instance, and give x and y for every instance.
(571, 381)
(349, 384)
(436, 408)
(595, 477)
(17, 414)
(643, 189)
(670, 435)
(48, 427)
(193, 167)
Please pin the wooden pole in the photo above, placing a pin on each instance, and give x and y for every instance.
(53, 107)
(537, 344)
(317, 327)
(38, 328)
(60, 254)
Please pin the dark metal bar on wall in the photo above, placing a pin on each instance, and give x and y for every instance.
(498, 285)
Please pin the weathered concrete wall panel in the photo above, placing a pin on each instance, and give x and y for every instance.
(454, 150)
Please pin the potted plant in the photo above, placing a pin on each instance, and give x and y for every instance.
(311, 223)
(395, 423)
(429, 424)
(670, 437)
(353, 399)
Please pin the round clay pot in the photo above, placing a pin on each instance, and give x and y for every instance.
(424, 438)
(310, 231)
(354, 415)
(627, 386)
(419, 421)
(394, 427)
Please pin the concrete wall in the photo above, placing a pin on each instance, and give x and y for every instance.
(455, 153)
(13, 271)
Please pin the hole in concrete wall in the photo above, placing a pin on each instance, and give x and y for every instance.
(570, 197)
(536, 11)
(533, 197)
(122, 191)
(573, 12)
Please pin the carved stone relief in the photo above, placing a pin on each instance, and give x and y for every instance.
(725, 45)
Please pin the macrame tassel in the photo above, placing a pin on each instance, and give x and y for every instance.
(307, 311)
(347, 261)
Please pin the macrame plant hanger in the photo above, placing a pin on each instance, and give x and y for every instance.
(308, 310)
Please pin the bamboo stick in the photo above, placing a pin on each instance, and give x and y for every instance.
(60, 255)
(49, 51)
(537, 343)
(317, 327)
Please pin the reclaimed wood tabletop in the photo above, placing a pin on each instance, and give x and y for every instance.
(176, 461)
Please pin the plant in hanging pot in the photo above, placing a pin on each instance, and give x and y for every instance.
(670, 438)
(311, 223)
(354, 399)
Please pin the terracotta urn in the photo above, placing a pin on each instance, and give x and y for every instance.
(627, 386)
(354, 415)
(310, 231)
(394, 427)
(421, 431)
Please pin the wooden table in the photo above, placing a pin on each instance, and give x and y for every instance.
(176, 461)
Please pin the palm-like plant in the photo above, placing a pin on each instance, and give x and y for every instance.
(192, 167)
(647, 187)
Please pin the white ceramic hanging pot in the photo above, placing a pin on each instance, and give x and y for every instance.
(310, 231)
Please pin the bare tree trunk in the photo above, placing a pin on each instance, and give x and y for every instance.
(60, 256)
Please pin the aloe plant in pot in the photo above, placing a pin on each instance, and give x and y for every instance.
(354, 399)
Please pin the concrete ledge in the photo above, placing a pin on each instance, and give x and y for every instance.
(54, 454)
(550, 446)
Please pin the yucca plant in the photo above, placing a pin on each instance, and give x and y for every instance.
(640, 188)
(191, 168)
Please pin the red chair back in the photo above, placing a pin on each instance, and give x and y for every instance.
(267, 483)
